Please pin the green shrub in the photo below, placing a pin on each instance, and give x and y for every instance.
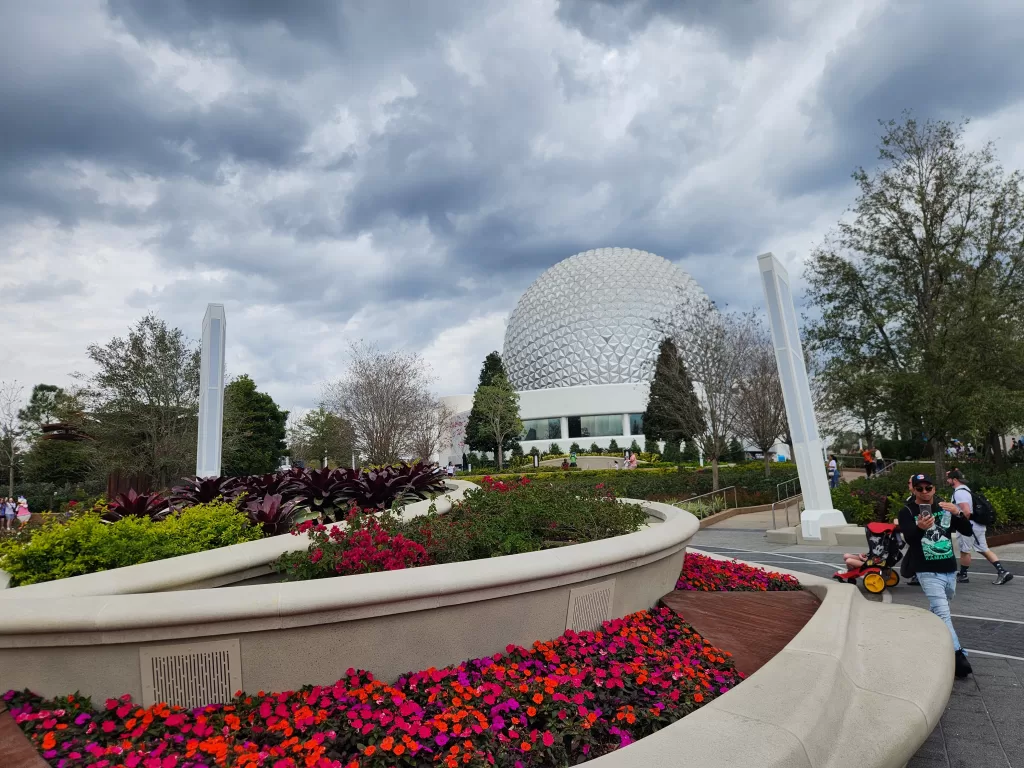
(855, 511)
(525, 516)
(555, 449)
(1008, 504)
(595, 449)
(613, 447)
(672, 483)
(86, 544)
(634, 448)
(575, 448)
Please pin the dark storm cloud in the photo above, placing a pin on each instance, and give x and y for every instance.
(739, 23)
(938, 60)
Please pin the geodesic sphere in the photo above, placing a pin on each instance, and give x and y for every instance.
(594, 319)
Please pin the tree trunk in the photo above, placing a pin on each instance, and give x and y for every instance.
(767, 464)
(499, 455)
(995, 446)
(10, 487)
(939, 453)
(714, 474)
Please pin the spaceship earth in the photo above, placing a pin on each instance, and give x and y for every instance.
(593, 318)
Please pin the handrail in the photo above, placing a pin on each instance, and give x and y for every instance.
(780, 486)
(787, 503)
(700, 514)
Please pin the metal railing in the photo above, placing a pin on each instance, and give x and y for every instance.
(792, 488)
(703, 508)
(786, 504)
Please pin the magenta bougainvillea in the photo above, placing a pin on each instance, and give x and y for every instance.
(557, 703)
(705, 574)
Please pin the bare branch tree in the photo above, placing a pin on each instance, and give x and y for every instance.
(715, 347)
(760, 408)
(10, 434)
(381, 396)
(433, 428)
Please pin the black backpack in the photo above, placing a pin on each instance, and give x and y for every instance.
(983, 513)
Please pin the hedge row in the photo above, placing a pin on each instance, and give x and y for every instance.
(865, 500)
(677, 483)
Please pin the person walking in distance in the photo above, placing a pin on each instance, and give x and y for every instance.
(869, 461)
(879, 461)
(964, 499)
(927, 524)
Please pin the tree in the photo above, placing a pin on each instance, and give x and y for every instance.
(319, 436)
(477, 435)
(382, 395)
(613, 446)
(10, 434)
(555, 449)
(760, 408)
(736, 454)
(61, 462)
(498, 406)
(144, 399)
(717, 347)
(924, 287)
(673, 410)
(634, 447)
(690, 453)
(432, 430)
(254, 430)
(48, 404)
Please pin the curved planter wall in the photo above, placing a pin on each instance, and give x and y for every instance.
(851, 689)
(282, 636)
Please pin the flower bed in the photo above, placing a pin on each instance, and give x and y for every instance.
(705, 574)
(501, 518)
(557, 703)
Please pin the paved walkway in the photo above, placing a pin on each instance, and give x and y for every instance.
(984, 722)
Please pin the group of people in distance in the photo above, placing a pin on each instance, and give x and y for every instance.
(11, 510)
(927, 524)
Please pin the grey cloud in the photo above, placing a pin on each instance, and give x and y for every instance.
(939, 60)
(739, 23)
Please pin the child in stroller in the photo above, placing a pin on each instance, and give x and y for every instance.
(877, 566)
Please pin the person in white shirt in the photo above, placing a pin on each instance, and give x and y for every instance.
(833, 471)
(879, 461)
(977, 543)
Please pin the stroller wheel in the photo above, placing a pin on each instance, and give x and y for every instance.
(874, 583)
(892, 578)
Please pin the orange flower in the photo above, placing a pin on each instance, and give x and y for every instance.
(531, 711)
(387, 744)
(526, 746)
(399, 749)
(538, 698)
(49, 740)
(698, 697)
(369, 750)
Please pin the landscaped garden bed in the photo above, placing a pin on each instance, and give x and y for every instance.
(558, 703)
(500, 518)
(202, 514)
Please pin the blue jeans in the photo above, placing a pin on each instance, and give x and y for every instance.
(940, 588)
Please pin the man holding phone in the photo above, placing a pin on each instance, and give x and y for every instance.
(927, 523)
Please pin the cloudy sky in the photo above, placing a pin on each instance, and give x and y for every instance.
(400, 170)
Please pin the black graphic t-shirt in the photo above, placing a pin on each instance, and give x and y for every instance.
(931, 551)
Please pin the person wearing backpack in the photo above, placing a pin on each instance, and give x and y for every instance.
(979, 511)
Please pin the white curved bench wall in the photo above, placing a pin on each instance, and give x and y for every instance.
(294, 633)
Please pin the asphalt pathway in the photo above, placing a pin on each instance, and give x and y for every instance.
(983, 724)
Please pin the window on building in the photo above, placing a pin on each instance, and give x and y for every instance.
(596, 426)
(636, 423)
(542, 429)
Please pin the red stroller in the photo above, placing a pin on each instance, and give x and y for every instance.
(885, 550)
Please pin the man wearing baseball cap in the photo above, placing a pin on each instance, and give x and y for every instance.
(927, 523)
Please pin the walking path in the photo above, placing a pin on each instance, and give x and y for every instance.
(984, 721)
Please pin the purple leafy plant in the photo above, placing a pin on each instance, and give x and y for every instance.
(132, 504)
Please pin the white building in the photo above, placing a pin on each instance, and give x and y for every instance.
(581, 344)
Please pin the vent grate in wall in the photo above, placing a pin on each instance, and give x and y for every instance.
(590, 606)
(191, 674)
